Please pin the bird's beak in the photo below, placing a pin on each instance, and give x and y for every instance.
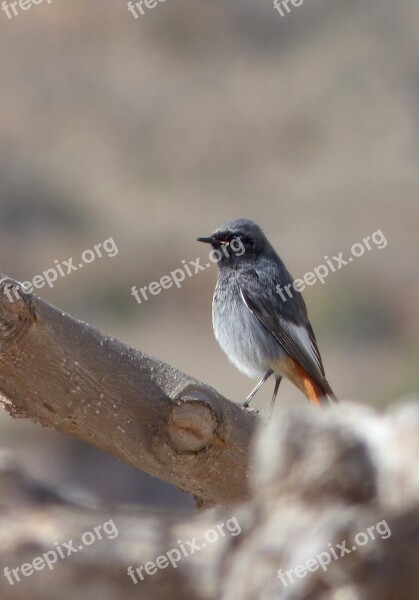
(206, 240)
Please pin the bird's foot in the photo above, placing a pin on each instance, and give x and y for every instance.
(253, 411)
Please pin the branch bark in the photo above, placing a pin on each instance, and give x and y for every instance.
(334, 513)
(63, 374)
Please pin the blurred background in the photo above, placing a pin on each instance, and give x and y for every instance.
(155, 130)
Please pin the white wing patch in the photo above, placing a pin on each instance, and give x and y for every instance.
(301, 334)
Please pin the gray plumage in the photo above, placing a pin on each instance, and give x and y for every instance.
(253, 324)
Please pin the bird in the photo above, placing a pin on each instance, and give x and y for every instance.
(263, 331)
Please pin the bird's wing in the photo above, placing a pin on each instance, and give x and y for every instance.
(286, 321)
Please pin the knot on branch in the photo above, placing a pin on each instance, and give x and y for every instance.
(193, 423)
(17, 312)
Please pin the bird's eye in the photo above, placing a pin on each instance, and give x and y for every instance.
(248, 241)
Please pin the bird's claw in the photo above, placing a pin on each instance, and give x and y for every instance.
(253, 411)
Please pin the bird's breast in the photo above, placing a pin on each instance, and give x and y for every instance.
(248, 345)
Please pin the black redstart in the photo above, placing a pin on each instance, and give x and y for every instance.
(261, 331)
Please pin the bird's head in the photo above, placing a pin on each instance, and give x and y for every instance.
(237, 242)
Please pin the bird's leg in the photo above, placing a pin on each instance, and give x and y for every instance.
(277, 382)
(246, 403)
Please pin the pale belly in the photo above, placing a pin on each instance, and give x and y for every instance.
(248, 345)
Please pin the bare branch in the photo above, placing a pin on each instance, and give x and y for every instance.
(64, 374)
(334, 513)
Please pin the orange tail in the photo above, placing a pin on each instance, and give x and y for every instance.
(304, 382)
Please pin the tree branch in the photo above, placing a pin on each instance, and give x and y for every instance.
(65, 375)
(334, 513)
